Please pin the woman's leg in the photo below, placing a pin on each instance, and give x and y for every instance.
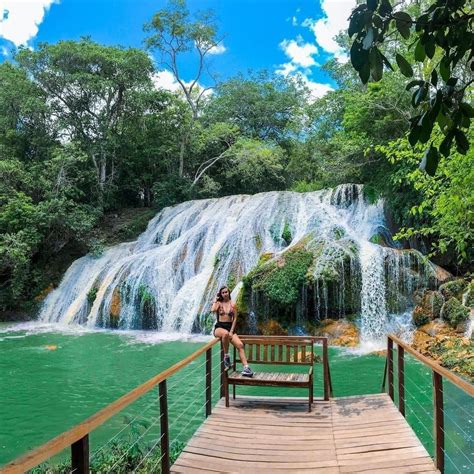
(223, 335)
(239, 345)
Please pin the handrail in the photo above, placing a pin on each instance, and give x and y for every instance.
(438, 372)
(452, 377)
(82, 430)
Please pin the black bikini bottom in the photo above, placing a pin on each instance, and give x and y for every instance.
(227, 325)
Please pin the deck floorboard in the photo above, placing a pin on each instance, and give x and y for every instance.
(351, 434)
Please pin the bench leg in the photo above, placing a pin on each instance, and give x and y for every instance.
(226, 392)
(310, 396)
(233, 391)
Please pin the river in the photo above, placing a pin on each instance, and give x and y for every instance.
(52, 378)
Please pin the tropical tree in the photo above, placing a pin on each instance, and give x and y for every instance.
(89, 90)
(175, 35)
(441, 38)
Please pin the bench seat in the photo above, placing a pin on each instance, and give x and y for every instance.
(276, 351)
(269, 378)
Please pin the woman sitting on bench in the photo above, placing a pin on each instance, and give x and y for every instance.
(226, 319)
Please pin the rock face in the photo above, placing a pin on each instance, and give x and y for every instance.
(339, 333)
(454, 312)
(428, 307)
(453, 289)
(439, 341)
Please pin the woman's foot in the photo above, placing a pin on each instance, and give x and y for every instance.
(227, 362)
(247, 371)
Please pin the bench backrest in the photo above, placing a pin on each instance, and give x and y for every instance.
(278, 350)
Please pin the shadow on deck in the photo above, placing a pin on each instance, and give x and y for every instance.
(351, 434)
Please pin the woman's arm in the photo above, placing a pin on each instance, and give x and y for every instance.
(234, 322)
(215, 305)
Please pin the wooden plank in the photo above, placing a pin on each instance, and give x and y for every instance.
(227, 464)
(272, 353)
(271, 435)
(249, 455)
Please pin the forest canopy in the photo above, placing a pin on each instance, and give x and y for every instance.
(85, 133)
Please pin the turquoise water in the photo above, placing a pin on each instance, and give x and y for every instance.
(50, 381)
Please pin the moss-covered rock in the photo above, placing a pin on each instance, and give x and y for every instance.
(420, 317)
(428, 307)
(281, 278)
(454, 312)
(468, 296)
(453, 289)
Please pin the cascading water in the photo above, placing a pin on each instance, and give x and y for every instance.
(166, 279)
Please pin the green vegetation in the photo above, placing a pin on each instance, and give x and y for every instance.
(442, 52)
(91, 295)
(280, 280)
(122, 456)
(454, 312)
(118, 146)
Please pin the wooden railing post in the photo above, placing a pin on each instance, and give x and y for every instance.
(165, 443)
(438, 420)
(326, 369)
(80, 456)
(208, 382)
(222, 371)
(390, 367)
(401, 379)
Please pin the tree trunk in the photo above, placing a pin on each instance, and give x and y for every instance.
(181, 155)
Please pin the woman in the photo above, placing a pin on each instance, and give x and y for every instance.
(226, 319)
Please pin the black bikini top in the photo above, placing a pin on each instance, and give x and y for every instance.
(221, 312)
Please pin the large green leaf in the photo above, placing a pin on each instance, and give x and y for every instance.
(430, 160)
(462, 143)
(420, 53)
(376, 64)
(404, 65)
(403, 23)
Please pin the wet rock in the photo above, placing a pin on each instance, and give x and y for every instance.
(453, 289)
(115, 305)
(271, 328)
(468, 296)
(428, 307)
(454, 312)
(44, 293)
(339, 333)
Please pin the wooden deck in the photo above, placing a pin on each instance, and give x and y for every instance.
(353, 434)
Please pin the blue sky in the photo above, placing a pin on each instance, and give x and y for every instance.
(288, 36)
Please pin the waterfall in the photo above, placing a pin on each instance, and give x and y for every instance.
(166, 279)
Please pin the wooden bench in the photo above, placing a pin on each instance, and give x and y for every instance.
(274, 350)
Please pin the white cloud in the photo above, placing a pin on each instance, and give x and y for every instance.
(165, 80)
(20, 19)
(218, 49)
(299, 52)
(336, 13)
(286, 69)
(316, 89)
(4, 51)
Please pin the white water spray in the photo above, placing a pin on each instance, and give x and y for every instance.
(166, 279)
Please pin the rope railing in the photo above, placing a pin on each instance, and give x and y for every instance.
(438, 433)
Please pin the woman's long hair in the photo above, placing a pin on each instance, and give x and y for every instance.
(219, 293)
